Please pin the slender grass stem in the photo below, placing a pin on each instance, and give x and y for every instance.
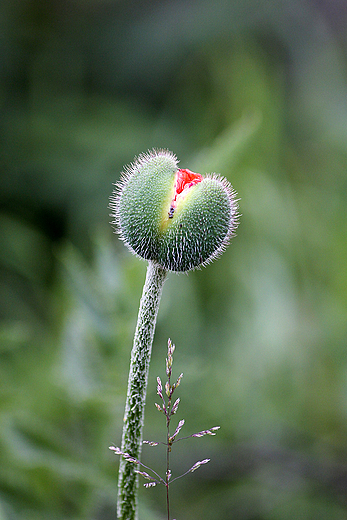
(137, 386)
(168, 418)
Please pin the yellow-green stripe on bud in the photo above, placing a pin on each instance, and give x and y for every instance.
(174, 217)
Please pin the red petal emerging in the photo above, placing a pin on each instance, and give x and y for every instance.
(186, 179)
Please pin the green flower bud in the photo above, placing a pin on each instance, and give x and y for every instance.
(174, 217)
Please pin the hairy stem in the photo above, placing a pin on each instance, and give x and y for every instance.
(137, 386)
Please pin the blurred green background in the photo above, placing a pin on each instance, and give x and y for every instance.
(257, 91)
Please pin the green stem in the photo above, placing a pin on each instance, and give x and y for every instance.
(137, 386)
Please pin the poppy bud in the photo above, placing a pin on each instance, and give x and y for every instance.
(174, 217)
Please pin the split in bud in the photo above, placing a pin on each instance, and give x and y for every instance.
(174, 217)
